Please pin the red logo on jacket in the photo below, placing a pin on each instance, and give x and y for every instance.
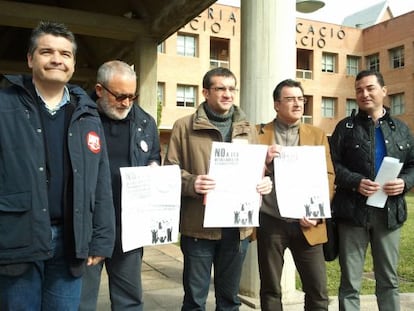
(94, 142)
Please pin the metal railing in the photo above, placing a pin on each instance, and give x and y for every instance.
(303, 74)
(214, 63)
(307, 119)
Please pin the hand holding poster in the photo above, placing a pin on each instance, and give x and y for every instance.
(150, 205)
(389, 169)
(301, 182)
(237, 169)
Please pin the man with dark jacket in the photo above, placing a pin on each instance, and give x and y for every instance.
(56, 210)
(132, 138)
(358, 146)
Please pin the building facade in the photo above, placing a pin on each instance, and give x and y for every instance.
(210, 40)
(328, 57)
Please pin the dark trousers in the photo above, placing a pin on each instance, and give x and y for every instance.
(273, 237)
(227, 256)
(124, 276)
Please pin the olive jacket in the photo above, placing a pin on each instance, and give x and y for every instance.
(190, 148)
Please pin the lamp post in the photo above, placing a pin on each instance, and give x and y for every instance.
(308, 6)
(268, 56)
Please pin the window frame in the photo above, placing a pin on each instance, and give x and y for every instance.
(397, 57)
(351, 68)
(325, 57)
(188, 46)
(324, 109)
(182, 98)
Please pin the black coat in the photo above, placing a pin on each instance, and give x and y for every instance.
(353, 154)
(24, 212)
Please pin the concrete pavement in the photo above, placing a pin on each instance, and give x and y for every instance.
(161, 277)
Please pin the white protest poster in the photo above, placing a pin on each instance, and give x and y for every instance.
(301, 182)
(150, 205)
(237, 169)
(389, 169)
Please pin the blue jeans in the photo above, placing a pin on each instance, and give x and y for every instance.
(227, 256)
(125, 286)
(46, 285)
(353, 244)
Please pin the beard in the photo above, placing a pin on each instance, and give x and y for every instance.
(113, 112)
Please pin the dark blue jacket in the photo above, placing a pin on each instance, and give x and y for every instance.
(353, 154)
(144, 149)
(24, 213)
(145, 143)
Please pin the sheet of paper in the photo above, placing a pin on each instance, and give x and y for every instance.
(150, 205)
(389, 169)
(301, 182)
(237, 169)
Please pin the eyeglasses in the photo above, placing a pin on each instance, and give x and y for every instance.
(292, 99)
(120, 97)
(222, 89)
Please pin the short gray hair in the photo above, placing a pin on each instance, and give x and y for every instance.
(108, 69)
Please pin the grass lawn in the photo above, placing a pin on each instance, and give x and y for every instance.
(405, 269)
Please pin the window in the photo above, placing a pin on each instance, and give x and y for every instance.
(186, 96)
(351, 104)
(328, 62)
(373, 62)
(352, 65)
(161, 47)
(397, 57)
(186, 45)
(328, 107)
(219, 52)
(397, 104)
(161, 93)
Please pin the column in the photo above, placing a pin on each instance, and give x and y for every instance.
(146, 61)
(268, 56)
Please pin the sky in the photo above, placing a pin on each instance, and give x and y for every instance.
(335, 11)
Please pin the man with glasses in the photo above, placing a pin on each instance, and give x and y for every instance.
(216, 119)
(304, 237)
(132, 139)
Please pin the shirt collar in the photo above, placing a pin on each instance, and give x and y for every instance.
(65, 100)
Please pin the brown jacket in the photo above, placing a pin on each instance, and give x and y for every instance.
(190, 148)
(308, 136)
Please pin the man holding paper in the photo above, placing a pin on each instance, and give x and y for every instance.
(217, 119)
(132, 138)
(359, 145)
(305, 236)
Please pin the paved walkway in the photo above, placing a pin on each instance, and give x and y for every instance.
(161, 275)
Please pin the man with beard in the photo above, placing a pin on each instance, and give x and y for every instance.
(132, 139)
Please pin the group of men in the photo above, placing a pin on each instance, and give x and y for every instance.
(60, 188)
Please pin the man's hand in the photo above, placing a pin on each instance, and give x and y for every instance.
(204, 184)
(94, 260)
(308, 223)
(264, 186)
(273, 151)
(394, 187)
(368, 187)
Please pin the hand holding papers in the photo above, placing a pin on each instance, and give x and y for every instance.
(301, 182)
(389, 169)
(150, 205)
(237, 169)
